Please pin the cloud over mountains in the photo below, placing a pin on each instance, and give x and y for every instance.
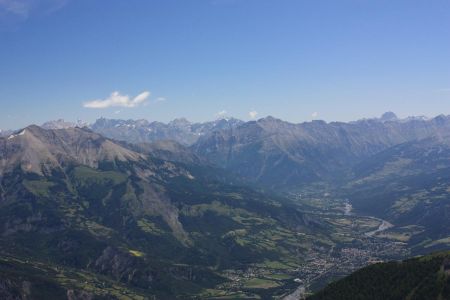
(118, 100)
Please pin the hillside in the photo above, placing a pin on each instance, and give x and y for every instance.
(408, 185)
(419, 278)
(78, 211)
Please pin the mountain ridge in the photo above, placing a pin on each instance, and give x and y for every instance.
(261, 149)
(36, 148)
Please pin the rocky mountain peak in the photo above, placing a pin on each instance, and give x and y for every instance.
(269, 119)
(180, 122)
(62, 124)
(389, 116)
(39, 150)
(441, 119)
(142, 122)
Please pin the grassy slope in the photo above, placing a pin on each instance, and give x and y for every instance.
(103, 223)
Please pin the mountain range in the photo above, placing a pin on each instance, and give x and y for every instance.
(80, 205)
(274, 152)
(142, 131)
(286, 155)
(217, 209)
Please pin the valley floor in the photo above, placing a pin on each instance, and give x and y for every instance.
(355, 242)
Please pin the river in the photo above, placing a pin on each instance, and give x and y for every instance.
(297, 295)
(383, 226)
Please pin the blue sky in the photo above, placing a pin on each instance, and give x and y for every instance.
(158, 60)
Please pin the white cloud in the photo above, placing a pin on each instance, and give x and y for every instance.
(221, 114)
(117, 112)
(253, 114)
(315, 114)
(118, 100)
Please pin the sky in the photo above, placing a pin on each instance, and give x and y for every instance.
(202, 59)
